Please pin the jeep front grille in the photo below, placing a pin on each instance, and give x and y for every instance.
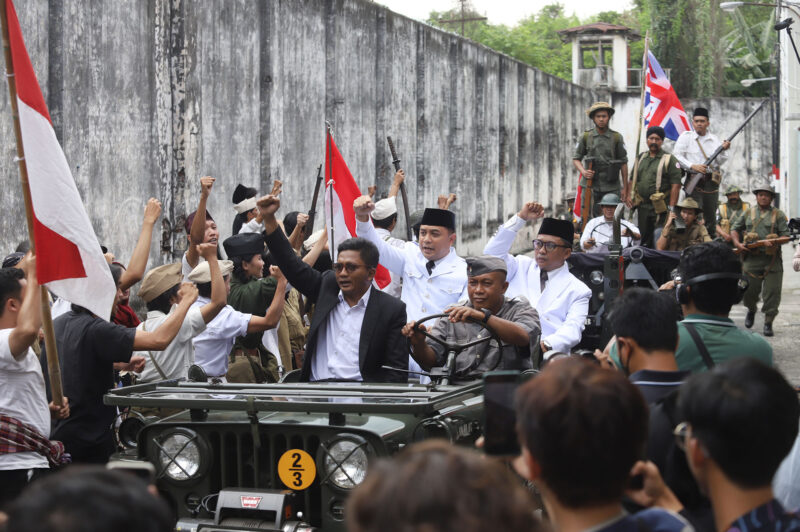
(239, 464)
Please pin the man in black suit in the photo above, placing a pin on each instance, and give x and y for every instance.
(355, 329)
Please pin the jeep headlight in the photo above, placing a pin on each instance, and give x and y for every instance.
(345, 461)
(180, 454)
(596, 277)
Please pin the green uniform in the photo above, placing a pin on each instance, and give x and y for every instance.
(254, 297)
(607, 154)
(706, 194)
(727, 215)
(763, 266)
(695, 234)
(646, 174)
(721, 337)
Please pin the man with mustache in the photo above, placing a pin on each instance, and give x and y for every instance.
(729, 212)
(656, 174)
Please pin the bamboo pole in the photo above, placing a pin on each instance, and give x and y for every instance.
(53, 366)
(641, 102)
(329, 138)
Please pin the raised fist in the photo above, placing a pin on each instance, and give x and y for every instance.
(363, 207)
(531, 211)
(268, 205)
(188, 293)
(207, 250)
(205, 185)
(276, 187)
(152, 210)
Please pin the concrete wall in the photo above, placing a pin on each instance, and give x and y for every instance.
(750, 155)
(148, 96)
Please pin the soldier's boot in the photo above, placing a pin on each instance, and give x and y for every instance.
(768, 329)
(750, 318)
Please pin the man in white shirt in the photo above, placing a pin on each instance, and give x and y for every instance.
(434, 276)
(692, 149)
(559, 297)
(384, 218)
(599, 232)
(160, 291)
(23, 400)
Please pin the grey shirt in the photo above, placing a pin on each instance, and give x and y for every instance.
(517, 310)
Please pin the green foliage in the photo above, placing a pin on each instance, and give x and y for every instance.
(709, 51)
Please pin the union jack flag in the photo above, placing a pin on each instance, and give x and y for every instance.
(661, 105)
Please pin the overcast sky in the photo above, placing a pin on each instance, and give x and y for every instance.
(504, 11)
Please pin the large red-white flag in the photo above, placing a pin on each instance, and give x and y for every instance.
(68, 256)
(341, 191)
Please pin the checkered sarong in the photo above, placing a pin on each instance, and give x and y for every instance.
(19, 437)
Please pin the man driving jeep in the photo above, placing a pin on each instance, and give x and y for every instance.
(515, 321)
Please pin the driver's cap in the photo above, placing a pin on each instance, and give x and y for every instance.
(485, 264)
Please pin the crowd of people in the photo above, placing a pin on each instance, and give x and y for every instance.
(284, 301)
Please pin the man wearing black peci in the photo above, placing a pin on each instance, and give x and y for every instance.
(356, 328)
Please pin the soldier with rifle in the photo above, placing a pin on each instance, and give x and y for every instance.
(692, 149)
(603, 152)
(674, 238)
(729, 212)
(762, 262)
(656, 181)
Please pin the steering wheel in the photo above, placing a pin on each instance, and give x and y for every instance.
(453, 350)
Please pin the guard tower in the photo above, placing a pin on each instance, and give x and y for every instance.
(601, 57)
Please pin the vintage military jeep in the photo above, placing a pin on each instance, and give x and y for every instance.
(281, 456)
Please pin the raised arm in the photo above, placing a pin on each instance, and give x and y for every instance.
(159, 339)
(296, 238)
(316, 250)
(302, 276)
(272, 317)
(138, 263)
(390, 257)
(29, 319)
(198, 230)
(500, 244)
(219, 294)
(399, 177)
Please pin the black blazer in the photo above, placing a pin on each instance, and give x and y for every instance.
(381, 340)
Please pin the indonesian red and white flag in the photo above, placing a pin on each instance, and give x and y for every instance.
(68, 256)
(576, 207)
(341, 191)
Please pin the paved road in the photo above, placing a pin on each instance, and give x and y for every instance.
(786, 342)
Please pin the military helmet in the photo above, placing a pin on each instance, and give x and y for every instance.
(688, 203)
(600, 106)
(762, 186)
(609, 200)
(570, 196)
(733, 189)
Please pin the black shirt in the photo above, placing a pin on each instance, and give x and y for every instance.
(87, 348)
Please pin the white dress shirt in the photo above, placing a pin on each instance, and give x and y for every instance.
(688, 152)
(395, 287)
(175, 360)
(564, 303)
(212, 346)
(602, 231)
(339, 340)
(251, 227)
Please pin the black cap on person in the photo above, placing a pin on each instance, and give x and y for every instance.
(657, 130)
(244, 245)
(440, 217)
(700, 111)
(560, 228)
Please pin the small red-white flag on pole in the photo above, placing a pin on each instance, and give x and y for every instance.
(341, 191)
(68, 256)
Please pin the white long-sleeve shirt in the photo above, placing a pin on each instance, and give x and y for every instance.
(602, 231)
(337, 350)
(564, 303)
(688, 152)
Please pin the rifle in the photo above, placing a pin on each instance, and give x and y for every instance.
(586, 196)
(309, 228)
(691, 182)
(403, 193)
(763, 243)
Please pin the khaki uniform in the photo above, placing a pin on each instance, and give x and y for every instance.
(763, 266)
(696, 234)
(292, 331)
(727, 216)
(645, 173)
(254, 297)
(608, 154)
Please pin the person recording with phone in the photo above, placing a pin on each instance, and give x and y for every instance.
(514, 320)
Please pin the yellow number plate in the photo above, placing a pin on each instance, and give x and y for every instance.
(297, 469)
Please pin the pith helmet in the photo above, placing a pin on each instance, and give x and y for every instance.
(762, 186)
(688, 203)
(609, 200)
(600, 106)
(733, 189)
(570, 197)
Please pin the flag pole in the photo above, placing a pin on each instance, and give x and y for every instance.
(641, 101)
(53, 367)
(332, 243)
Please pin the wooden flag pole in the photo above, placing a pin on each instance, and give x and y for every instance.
(641, 102)
(53, 367)
(329, 179)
